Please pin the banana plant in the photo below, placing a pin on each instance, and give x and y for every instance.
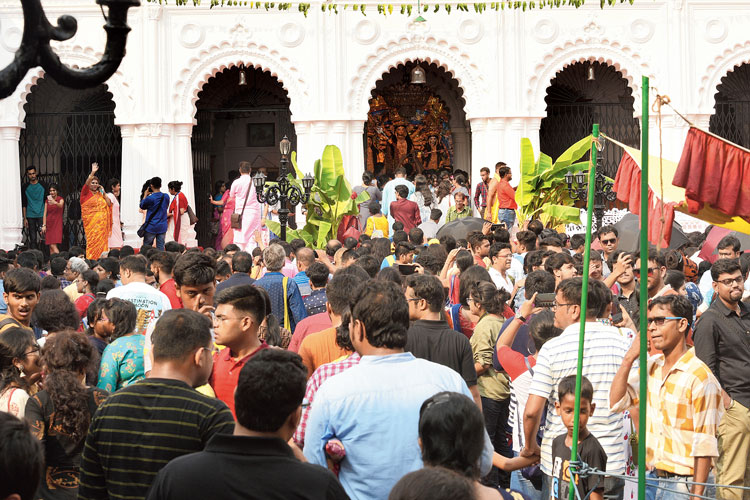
(542, 193)
(331, 199)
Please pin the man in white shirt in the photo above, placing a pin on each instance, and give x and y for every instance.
(430, 227)
(603, 352)
(148, 301)
(501, 256)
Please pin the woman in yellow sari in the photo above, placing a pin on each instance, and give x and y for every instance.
(96, 215)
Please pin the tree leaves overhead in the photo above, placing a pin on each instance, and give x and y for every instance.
(403, 8)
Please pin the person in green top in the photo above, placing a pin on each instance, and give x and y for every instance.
(488, 303)
(459, 210)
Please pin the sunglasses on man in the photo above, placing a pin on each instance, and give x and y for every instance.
(651, 271)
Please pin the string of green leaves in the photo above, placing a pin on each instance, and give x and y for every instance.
(404, 9)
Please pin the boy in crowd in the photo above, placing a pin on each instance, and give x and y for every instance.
(239, 312)
(589, 449)
(22, 295)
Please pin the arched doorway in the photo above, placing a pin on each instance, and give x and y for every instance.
(731, 118)
(575, 102)
(238, 120)
(420, 126)
(66, 131)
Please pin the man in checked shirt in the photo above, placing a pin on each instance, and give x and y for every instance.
(684, 403)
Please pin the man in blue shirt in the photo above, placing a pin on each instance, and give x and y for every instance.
(32, 201)
(274, 282)
(156, 205)
(373, 408)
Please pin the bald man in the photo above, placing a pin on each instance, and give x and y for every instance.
(305, 257)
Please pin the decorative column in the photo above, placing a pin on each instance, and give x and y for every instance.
(182, 169)
(314, 136)
(11, 220)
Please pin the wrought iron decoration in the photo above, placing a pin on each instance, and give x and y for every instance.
(35, 49)
(283, 191)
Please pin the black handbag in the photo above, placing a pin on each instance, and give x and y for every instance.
(142, 230)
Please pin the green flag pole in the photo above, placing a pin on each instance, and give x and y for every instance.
(644, 295)
(584, 304)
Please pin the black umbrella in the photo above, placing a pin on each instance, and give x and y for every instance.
(629, 232)
(461, 227)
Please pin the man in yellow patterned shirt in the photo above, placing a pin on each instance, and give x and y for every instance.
(684, 402)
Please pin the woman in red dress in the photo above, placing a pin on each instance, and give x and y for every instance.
(52, 224)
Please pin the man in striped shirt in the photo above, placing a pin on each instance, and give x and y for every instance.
(145, 425)
(684, 400)
(603, 352)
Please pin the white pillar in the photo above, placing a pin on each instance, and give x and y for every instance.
(11, 221)
(133, 176)
(182, 164)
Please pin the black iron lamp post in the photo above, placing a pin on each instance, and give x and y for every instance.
(283, 191)
(35, 47)
(578, 190)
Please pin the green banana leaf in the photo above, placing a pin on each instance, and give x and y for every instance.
(291, 234)
(564, 213)
(524, 192)
(575, 152)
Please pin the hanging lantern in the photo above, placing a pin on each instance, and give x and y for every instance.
(418, 75)
(243, 77)
(591, 77)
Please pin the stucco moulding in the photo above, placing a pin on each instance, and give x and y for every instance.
(291, 34)
(366, 32)
(470, 31)
(192, 35)
(546, 31)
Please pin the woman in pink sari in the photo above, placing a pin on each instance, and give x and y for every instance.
(225, 235)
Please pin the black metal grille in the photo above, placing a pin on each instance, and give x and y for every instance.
(66, 131)
(731, 121)
(201, 144)
(567, 123)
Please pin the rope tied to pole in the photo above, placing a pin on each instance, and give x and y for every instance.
(661, 100)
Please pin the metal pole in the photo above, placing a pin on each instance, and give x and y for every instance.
(584, 305)
(644, 295)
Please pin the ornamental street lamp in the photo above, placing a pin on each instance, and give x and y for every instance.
(283, 191)
(35, 47)
(578, 190)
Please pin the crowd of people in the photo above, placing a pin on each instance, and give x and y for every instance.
(395, 365)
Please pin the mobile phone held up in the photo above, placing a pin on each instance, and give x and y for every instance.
(407, 269)
(545, 300)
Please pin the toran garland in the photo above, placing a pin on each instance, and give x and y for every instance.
(406, 9)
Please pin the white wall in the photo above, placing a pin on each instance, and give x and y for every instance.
(503, 61)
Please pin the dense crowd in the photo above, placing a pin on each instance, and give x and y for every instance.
(395, 364)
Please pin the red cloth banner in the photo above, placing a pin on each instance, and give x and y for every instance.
(715, 172)
(628, 188)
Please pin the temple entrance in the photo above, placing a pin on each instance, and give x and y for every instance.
(66, 131)
(575, 102)
(420, 126)
(731, 118)
(243, 113)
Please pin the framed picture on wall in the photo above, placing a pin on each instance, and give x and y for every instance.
(261, 135)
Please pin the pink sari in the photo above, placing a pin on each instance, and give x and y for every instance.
(226, 235)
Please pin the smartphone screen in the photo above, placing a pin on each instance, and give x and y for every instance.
(545, 300)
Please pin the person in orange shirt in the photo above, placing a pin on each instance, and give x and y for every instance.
(321, 347)
(502, 197)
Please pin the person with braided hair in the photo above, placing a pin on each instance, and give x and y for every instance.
(61, 412)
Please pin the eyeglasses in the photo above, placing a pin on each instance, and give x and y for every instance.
(651, 271)
(33, 350)
(415, 299)
(469, 299)
(556, 305)
(504, 256)
(611, 241)
(659, 320)
(729, 281)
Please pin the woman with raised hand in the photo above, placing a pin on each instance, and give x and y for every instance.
(61, 412)
(96, 214)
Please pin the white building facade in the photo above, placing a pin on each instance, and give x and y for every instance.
(501, 64)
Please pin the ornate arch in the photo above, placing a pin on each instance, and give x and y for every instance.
(721, 66)
(622, 58)
(77, 55)
(430, 50)
(217, 58)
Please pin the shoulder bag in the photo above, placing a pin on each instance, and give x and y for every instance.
(191, 215)
(235, 220)
(142, 230)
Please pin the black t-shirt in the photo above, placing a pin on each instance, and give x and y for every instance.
(436, 341)
(590, 452)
